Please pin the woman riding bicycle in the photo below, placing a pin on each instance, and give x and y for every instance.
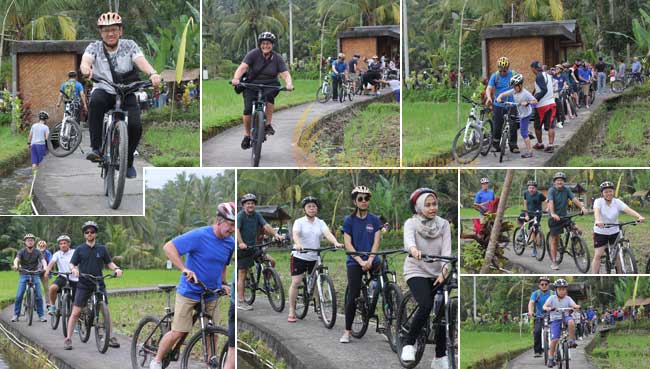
(114, 59)
(425, 233)
(606, 211)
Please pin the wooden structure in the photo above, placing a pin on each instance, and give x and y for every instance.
(369, 41)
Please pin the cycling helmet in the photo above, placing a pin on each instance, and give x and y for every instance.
(544, 278)
(536, 64)
(248, 197)
(517, 79)
(42, 115)
(109, 19)
(29, 235)
(559, 66)
(357, 55)
(561, 283)
(310, 199)
(72, 74)
(63, 237)
(416, 194)
(227, 211)
(89, 223)
(559, 175)
(358, 190)
(503, 62)
(341, 55)
(606, 184)
(485, 180)
(266, 36)
(531, 183)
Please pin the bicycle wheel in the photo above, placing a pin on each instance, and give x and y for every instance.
(146, 339)
(565, 354)
(56, 317)
(504, 139)
(250, 287)
(486, 144)
(198, 356)
(102, 327)
(580, 253)
(66, 310)
(62, 144)
(539, 243)
(466, 152)
(518, 241)
(274, 289)
(327, 301)
(349, 92)
(407, 309)
(85, 324)
(393, 297)
(545, 343)
(323, 94)
(29, 305)
(452, 340)
(617, 86)
(361, 319)
(117, 163)
(302, 300)
(257, 133)
(626, 262)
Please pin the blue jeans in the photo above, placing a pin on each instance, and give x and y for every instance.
(601, 83)
(22, 286)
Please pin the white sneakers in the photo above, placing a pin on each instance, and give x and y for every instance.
(554, 266)
(408, 353)
(345, 338)
(155, 365)
(440, 363)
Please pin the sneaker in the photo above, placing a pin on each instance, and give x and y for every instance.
(246, 143)
(440, 363)
(14, 318)
(573, 344)
(514, 150)
(538, 354)
(155, 365)
(551, 363)
(549, 149)
(269, 130)
(67, 344)
(345, 338)
(42, 319)
(560, 125)
(538, 146)
(408, 353)
(112, 342)
(241, 305)
(131, 172)
(554, 266)
(95, 156)
(527, 155)
(51, 310)
(534, 254)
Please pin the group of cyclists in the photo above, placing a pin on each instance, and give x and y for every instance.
(425, 233)
(606, 209)
(378, 71)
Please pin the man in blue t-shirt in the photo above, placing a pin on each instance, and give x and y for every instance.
(361, 233)
(500, 82)
(339, 75)
(209, 250)
(584, 76)
(536, 310)
(72, 91)
(483, 196)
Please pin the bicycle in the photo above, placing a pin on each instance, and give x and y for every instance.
(476, 135)
(151, 330)
(546, 335)
(115, 141)
(271, 285)
(258, 124)
(620, 252)
(510, 117)
(578, 250)
(444, 313)
(382, 282)
(345, 90)
(530, 233)
(620, 85)
(63, 304)
(324, 92)
(567, 100)
(96, 314)
(65, 137)
(562, 353)
(324, 298)
(29, 299)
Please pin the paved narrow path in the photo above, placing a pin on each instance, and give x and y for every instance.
(317, 347)
(279, 150)
(568, 265)
(540, 158)
(579, 359)
(72, 186)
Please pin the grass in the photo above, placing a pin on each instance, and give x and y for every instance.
(172, 146)
(222, 106)
(14, 147)
(428, 131)
(623, 349)
(478, 346)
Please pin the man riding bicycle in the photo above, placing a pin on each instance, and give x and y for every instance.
(558, 301)
(307, 231)
(29, 258)
(536, 309)
(500, 82)
(533, 200)
(261, 65)
(209, 250)
(72, 91)
(339, 75)
(89, 258)
(248, 223)
(61, 259)
(114, 59)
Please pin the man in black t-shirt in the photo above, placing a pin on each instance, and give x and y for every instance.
(602, 77)
(352, 70)
(263, 66)
(31, 259)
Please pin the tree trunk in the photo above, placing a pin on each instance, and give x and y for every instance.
(496, 229)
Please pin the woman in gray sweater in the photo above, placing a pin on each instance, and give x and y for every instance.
(425, 233)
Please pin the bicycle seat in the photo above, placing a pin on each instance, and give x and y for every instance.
(167, 287)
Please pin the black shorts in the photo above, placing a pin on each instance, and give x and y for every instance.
(300, 266)
(248, 259)
(61, 282)
(601, 240)
(83, 294)
(250, 96)
(556, 228)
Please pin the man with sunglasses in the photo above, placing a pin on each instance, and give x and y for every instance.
(339, 75)
(361, 232)
(536, 310)
(500, 82)
(88, 258)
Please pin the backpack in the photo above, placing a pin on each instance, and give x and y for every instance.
(70, 89)
(497, 74)
(539, 295)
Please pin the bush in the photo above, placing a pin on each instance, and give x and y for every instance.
(5, 119)
(161, 115)
(304, 74)
(226, 68)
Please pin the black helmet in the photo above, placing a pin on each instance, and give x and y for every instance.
(89, 223)
(416, 194)
(266, 36)
(606, 184)
(561, 283)
(310, 199)
(531, 183)
(72, 74)
(536, 64)
(559, 175)
(248, 197)
(43, 115)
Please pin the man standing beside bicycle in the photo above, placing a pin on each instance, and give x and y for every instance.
(536, 309)
(307, 232)
(353, 70)
(114, 59)
(339, 76)
(425, 233)
(606, 211)
(361, 232)
(533, 200)
(29, 258)
(72, 91)
(261, 65)
(61, 259)
(499, 83)
(209, 250)
(558, 201)
(560, 301)
(248, 223)
(89, 258)
(545, 107)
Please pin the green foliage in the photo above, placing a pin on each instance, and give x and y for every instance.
(182, 116)
(484, 347)
(5, 119)
(264, 353)
(167, 44)
(24, 207)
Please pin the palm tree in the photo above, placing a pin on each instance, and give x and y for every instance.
(252, 18)
(49, 19)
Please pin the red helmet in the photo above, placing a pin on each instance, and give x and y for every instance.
(227, 211)
(414, 196)
(109, 19)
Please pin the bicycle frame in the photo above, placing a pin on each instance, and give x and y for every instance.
(314, 278)
(614, 250)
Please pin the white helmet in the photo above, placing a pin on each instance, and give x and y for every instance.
(109, 19)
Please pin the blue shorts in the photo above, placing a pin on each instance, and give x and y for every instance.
(523, 126)
(396, 93)
(38, 153)
(556, 327)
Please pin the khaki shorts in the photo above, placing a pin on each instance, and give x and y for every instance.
(184, 310)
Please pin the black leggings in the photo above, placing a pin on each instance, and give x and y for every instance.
(424, 294)
(355, 279)
(101, 102)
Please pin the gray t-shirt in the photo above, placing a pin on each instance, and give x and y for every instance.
(310, 235)
(39, 131)
(555, 302)
(524, 95)
(123, 60)
(440, 245)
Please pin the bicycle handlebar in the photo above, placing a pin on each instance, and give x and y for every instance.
(367, 253)
(322, 249)
(27, 271)
(65, 275)
(434, 258)
(260, 86)
(219, 291)
(264, 244)
(620, 225)
(98, 278)
(124, 88)
(571, 216)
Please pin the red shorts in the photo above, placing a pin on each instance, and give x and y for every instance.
(545, 116)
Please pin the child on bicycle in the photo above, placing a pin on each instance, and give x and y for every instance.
(523, 99)
(606, 211)
(559, 301)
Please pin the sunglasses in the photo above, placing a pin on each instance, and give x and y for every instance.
(543, 284)
(90, 232)
(363, 198)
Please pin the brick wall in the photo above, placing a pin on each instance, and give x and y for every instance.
(520, 51)
(366, 47)
(39, 79)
